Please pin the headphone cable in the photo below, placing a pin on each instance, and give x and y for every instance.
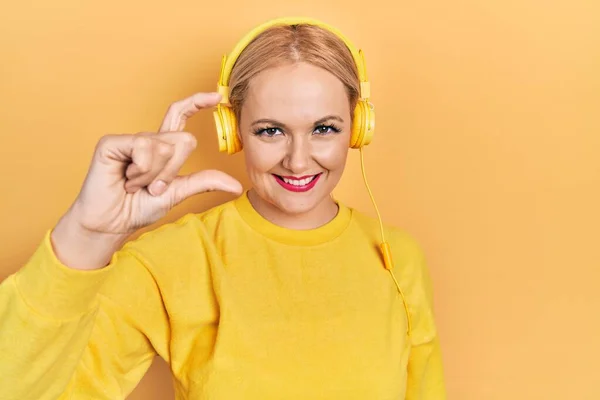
(384, 246)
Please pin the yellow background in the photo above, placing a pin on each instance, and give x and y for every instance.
(486, 150)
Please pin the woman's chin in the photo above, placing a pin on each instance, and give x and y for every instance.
(291, 201)
(294, 203)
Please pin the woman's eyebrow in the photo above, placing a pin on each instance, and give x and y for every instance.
(328, 118)
(281, 124)
(270, 122)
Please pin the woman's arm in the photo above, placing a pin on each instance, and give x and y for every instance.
(425, 369)
(74, 334)
(425, 372)
(75, 327)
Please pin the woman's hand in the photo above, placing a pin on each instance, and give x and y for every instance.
(132, 182)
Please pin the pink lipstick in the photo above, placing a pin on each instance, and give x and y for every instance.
(297, 184)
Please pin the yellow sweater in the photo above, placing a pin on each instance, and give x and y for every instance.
(240, 308)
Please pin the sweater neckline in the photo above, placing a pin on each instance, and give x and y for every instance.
(297, 237)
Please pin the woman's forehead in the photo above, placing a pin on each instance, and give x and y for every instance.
(298, 91)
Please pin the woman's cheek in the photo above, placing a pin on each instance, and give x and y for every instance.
(261, 158)
(332, 156)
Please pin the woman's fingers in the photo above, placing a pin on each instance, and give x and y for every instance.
(203, 181)
(180, 111)
(165, 165)
(155, 159)
(183, 143)
(149, 155)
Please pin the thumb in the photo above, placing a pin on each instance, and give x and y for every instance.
(208, 180)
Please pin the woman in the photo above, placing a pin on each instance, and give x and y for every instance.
(277, 294)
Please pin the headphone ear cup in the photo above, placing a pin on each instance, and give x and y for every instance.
(226, 124)
(363, 126)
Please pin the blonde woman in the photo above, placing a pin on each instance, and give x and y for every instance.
(280, 293)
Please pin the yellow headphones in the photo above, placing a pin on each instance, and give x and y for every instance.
(363, 125)
(364, 114)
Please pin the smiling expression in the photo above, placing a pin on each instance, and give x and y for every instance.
(295, 127)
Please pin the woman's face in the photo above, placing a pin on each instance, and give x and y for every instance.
(295, 127)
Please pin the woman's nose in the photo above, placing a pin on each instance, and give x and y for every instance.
(297, 157)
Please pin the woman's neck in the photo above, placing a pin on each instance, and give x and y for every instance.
(318, 216)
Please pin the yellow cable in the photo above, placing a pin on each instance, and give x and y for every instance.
(362, 167)
(385, 247)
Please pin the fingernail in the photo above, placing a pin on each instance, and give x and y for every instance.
(157, 188)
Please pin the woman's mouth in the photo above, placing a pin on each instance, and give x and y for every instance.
(298, 184)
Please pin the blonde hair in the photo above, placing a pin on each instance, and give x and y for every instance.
(289, 44)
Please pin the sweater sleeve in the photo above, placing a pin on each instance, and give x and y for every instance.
(69, 334)
(425, 373)
(425, 370)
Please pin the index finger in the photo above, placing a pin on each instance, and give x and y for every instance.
(180, 111)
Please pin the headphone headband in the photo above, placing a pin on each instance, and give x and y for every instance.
(228, 62)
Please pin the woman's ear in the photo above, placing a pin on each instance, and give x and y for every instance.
(238, 125)
(239, 135)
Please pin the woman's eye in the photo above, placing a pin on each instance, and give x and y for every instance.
(268, 132)
(319, 130)
(325, 129)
